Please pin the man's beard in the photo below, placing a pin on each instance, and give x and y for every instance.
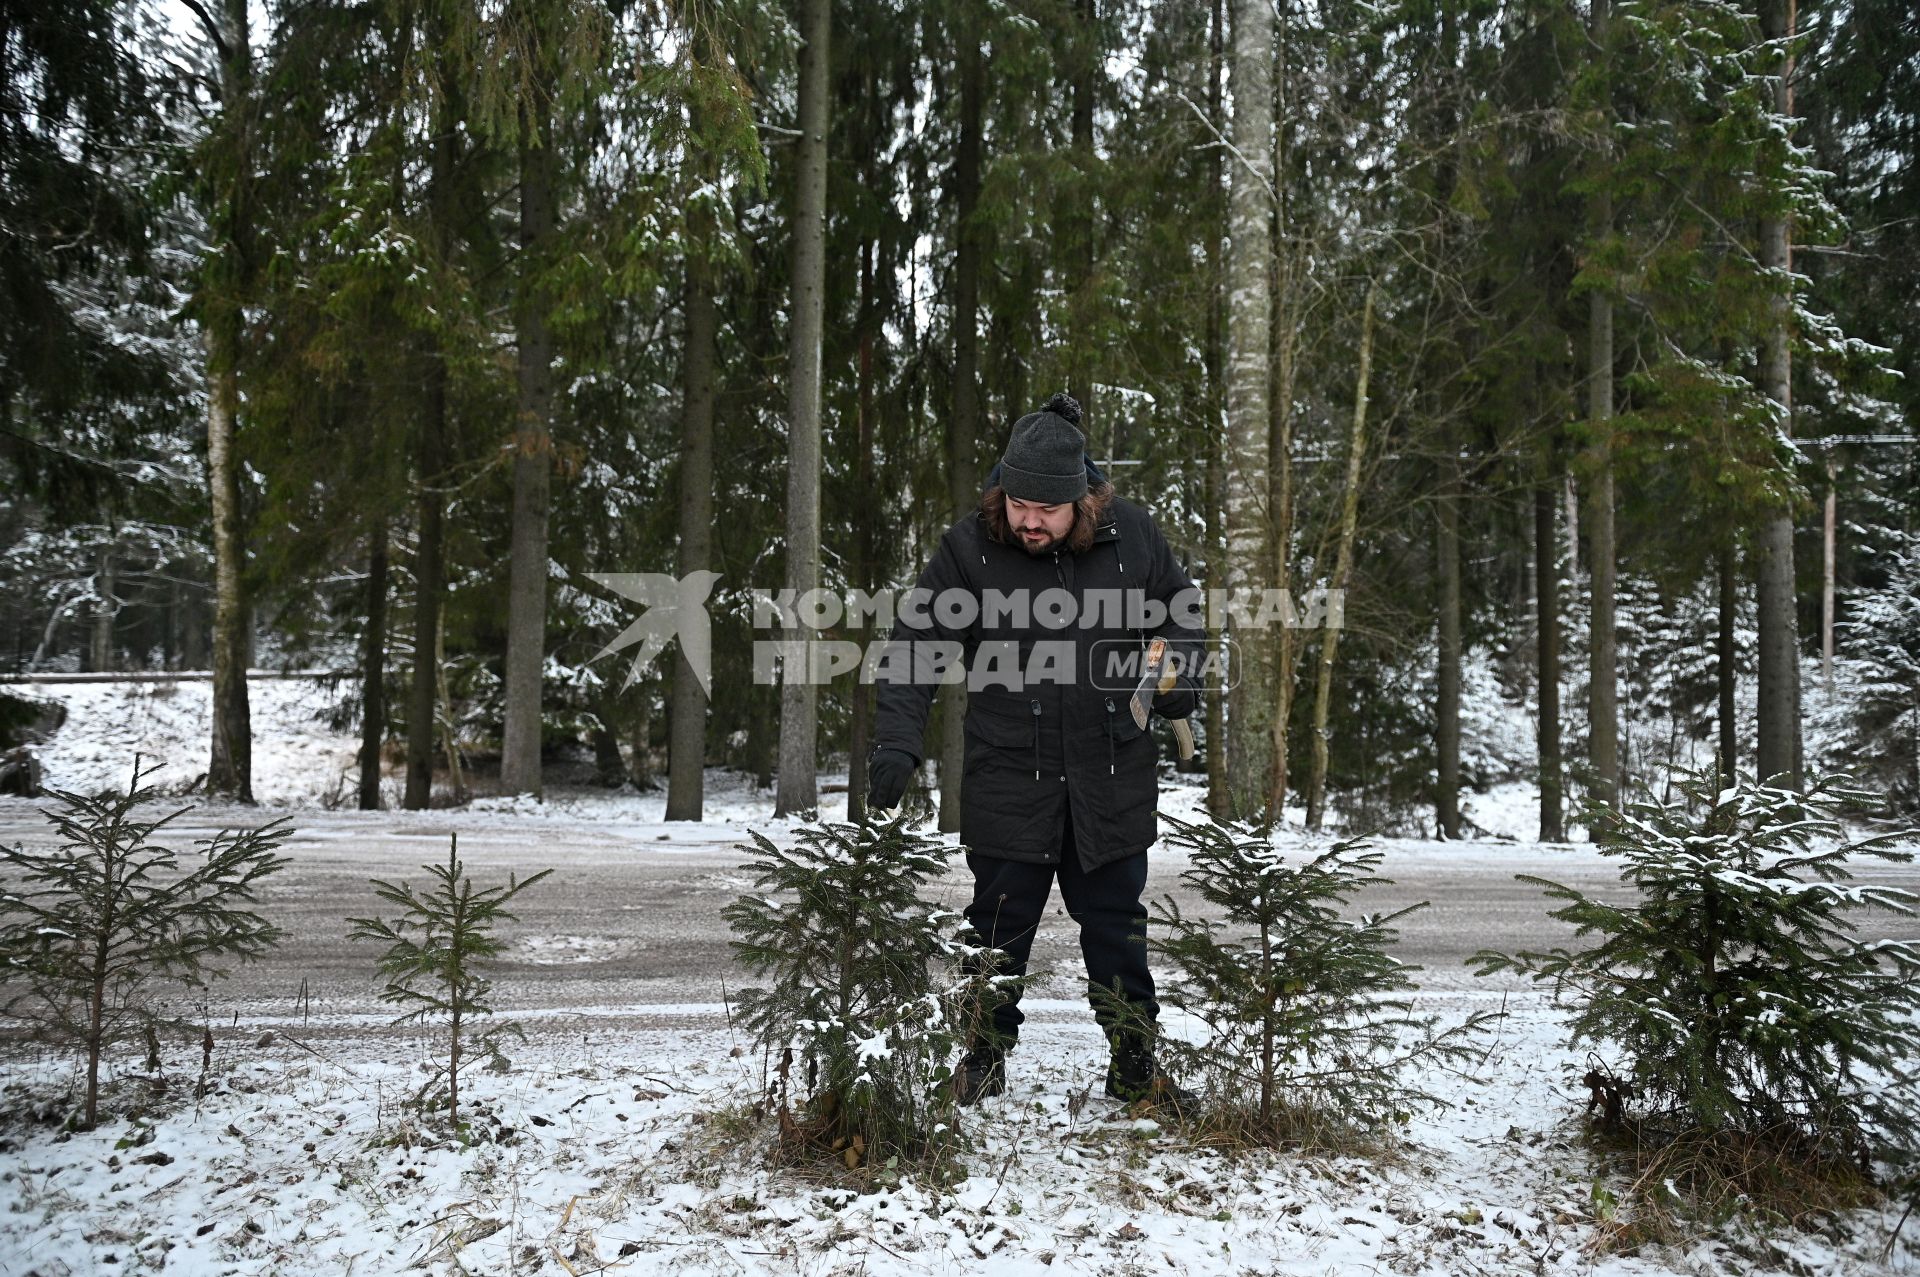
(1037, 548)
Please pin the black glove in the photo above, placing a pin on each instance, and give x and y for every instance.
(1177, 701)
(888, 771)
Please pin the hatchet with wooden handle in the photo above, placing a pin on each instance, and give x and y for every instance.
(1160, 676)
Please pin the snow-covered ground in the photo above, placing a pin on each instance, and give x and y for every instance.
(625, 1151)
(615, 1142)
(298, 761)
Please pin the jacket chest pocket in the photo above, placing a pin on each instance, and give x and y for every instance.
(1005, 733)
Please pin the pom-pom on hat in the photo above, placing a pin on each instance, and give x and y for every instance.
(1045, 458)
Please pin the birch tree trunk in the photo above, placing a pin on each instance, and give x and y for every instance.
(106, 604)
(1779, 690)
(532, 452)
(1249, 310)
(1284, 646)
(1342, 567)
(449, 729)
(799, 698)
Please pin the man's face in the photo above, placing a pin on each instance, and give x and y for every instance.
(1038, 526)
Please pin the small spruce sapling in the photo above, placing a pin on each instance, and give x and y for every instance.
(92, 929)
(1310, 1032)
(865, 990)
(1733, 975)
(438, 950)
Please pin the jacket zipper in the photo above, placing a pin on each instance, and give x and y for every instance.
(1036, 737)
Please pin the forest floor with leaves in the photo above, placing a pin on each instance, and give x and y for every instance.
(640, 1152)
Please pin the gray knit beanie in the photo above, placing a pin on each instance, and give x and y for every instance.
(1046, 458)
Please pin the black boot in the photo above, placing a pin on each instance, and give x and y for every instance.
(1133, 1077)
(983, 1072)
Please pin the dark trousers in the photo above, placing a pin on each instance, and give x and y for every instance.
(1009, 899)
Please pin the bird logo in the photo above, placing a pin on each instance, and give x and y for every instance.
(674, 606)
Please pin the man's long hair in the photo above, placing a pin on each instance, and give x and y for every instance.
(1089, 512)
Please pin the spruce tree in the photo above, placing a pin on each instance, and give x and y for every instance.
(92, 930)
(866, 991)
(1736, 979)
(1311, 1031)
(438, 949)
(1877, 724)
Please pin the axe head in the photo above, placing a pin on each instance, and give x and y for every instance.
(1140, 704)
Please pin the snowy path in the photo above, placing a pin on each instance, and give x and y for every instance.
(627, 931)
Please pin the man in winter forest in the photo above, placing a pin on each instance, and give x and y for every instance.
(1052, 589)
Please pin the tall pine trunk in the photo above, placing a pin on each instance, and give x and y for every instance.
(687, 704)
(230, 771)
(640, 738)
(1080, 285)
(1249, 351)
(1827, 549)
(532, 451)
(430, 465)
(1546, 592)
(1603, 694)
(230, 765)
(799, 698)
(1446, 549)
(1725, 676)
(428, 584)
(373, 671)
(860, 730)
(963, 427)
(1342, 568)
(1219, 799)
(1779, 690)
